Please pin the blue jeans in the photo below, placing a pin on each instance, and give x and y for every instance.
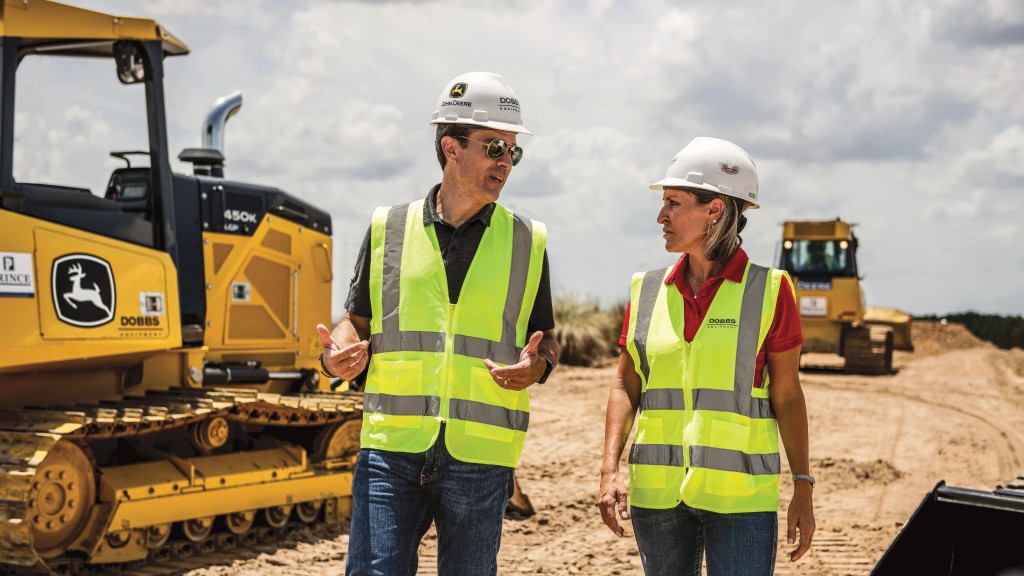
(395, 497)
(673, 541)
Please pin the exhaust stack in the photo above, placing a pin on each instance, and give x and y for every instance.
(209, 160)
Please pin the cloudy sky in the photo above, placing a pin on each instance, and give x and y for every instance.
(904, 117)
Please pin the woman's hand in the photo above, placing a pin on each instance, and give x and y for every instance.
(791, 413)
(623, 399)
(613, 501)
(800, 518)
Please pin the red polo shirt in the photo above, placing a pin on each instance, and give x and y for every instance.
(784, 334)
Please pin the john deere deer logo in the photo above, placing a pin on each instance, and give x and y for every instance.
(83, 290)
(458, 90)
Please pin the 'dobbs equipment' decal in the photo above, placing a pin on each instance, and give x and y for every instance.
(83, 290)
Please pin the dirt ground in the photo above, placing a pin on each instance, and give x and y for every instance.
(953, 411)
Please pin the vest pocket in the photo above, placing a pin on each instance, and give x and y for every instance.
(404, 380)
(722, 483)
(483, 389)
(644, 476)
(729, 435)
(724, 478)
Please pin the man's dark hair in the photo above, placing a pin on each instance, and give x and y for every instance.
(458, 131)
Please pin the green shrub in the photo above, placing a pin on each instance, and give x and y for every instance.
(587, 334)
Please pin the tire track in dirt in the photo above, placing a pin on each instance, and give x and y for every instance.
(428, 563)
(832, 553)
(891, 457)
(1008, 452)
(934, 403)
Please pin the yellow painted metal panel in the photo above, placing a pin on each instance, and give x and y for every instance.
(272, 284)
(276, 240)
(160, 479)
(137, 272)
(295, 306)
(816, 230)
(218, 501)
(53, 20)
(35, 333)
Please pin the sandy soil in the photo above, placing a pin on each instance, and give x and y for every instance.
(953, 411)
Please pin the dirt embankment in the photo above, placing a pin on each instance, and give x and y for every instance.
(954, 411)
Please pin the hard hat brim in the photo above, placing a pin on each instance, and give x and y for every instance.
(682, 184)
(503, 126)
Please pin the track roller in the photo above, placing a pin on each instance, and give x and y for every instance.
(63, 490)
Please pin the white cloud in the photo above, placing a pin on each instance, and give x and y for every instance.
(905, 118)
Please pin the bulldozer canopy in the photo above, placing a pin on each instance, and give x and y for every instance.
(48, 27)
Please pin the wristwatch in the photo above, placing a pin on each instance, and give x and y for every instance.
(547, 370)
(807, 477)
(323, 367)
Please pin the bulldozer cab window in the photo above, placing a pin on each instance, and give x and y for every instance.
(71, 114)
(824, 258)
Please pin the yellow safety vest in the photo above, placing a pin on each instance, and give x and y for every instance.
(427, 354)
(705, 435)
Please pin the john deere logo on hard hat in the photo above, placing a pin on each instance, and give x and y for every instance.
(728, 169)
(458, 90)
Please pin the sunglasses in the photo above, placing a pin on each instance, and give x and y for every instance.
(496, 149)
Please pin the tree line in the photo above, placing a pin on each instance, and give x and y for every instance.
(1003, 331)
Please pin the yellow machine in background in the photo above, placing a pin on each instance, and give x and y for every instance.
(159, 385)
(821, 258)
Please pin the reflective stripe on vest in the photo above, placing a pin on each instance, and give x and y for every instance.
(420, 377)
(684, 466)
(705, 457)
(402, 405)
(393, 339)
(461, 409)
(648, 294)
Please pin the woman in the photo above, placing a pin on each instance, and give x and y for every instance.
(711, 356)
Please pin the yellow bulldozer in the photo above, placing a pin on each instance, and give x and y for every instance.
(159, 386)
(160, 392)
(821, 257)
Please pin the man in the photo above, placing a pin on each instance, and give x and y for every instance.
(450, 311)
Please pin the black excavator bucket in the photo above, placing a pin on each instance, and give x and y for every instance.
(960, 531)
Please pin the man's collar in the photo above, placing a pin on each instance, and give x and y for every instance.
(430, 215)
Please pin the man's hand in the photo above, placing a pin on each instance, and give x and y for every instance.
(345, 363)
(528, 370)
(613, 501)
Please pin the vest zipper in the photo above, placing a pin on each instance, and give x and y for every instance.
(687, 402)
(449, 352)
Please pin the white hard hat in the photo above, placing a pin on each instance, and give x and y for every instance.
(482, 99)
(715, 166)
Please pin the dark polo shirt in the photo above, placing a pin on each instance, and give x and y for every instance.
(458, 247)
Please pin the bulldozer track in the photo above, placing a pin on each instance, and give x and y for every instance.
(176, 558)
(50, 484)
